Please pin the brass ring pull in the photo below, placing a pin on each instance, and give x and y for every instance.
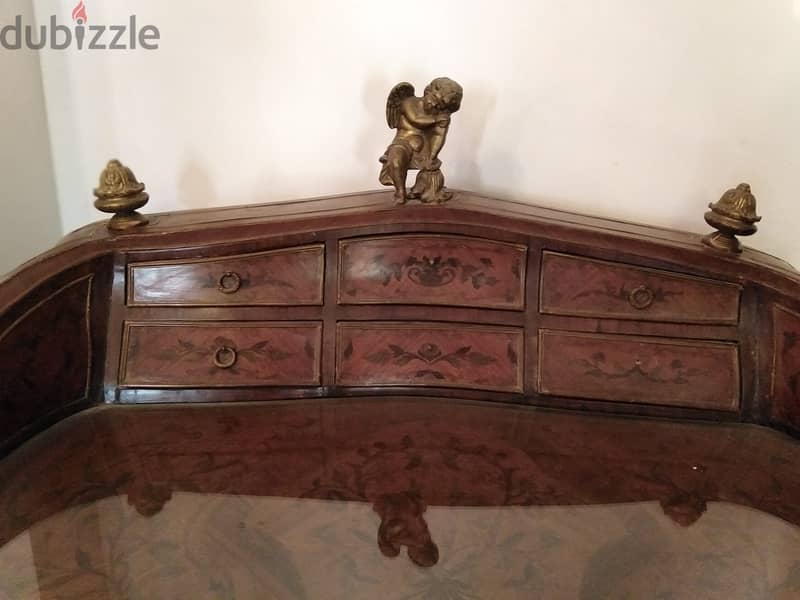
(229, 282)
(225, 357)
(641, 297)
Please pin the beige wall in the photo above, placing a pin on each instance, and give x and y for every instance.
(29, 211)
(644, 111)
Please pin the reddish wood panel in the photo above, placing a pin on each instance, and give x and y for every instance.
(429, 354)
(274, 278)
(786, 367)
(572, 285)
(639, 369)
(213, 354)
(432, 269)
(45, 358)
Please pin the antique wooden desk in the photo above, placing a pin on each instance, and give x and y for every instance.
(482, 355)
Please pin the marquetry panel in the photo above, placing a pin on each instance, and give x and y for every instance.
(429, 354)
(45, 357)
(292, 276)
(672, 372)
(432, 269)
(572, 285)
(221, 354)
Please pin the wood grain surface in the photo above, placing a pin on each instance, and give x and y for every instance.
(432, 269)
(573, 285)
(636, 369)
(276, 277)
(429, 354)
(208, 354)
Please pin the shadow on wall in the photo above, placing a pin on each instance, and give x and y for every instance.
(31, 220)
(469, 125)
(195, 188)
(375, 134)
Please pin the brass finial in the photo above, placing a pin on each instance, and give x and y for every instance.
(734, 214)
(421, 125)
(120, 193)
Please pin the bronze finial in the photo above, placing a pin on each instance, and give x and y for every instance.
(421, 125)
(120, 193)
(734, 214)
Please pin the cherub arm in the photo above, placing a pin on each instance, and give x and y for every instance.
(438, 136)
(412, 110)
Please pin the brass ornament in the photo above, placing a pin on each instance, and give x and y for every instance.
(120, 193)
(733, 214)
(225, 357)
(422, 125)
(229, 282)
(641, 298)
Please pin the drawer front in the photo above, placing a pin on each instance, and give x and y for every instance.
(273, 278)
(577, 286)
(639, 369)
(432, 269)
(435, 354)
(223, 354)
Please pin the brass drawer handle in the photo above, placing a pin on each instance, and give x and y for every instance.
(641, 297)
(229, 282)
(225, 357)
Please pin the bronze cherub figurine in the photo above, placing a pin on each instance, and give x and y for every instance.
(422, 125)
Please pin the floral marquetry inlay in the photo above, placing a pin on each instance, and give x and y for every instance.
(428, 269)
(627, 368)
(436, 354)
(222, 354)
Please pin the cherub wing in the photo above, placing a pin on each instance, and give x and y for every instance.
(399, 93)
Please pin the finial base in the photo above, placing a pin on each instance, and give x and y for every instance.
(124, 221)
(728, 228)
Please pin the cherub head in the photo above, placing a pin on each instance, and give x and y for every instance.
(442, 95)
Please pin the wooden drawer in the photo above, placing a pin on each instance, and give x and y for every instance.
(284, 277)
(432, 269)
(437, 354)
(576, 286)
(221, 354)
(639, 369)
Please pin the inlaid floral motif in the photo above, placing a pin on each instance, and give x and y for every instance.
(653, 371)
(185, 350)
(222, 354)
(211, 279)
(441, 354)
(622, 293)
(432, 269)
(435, 271)
(430, 354)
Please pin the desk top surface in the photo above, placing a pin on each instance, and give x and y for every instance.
(397, 498)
